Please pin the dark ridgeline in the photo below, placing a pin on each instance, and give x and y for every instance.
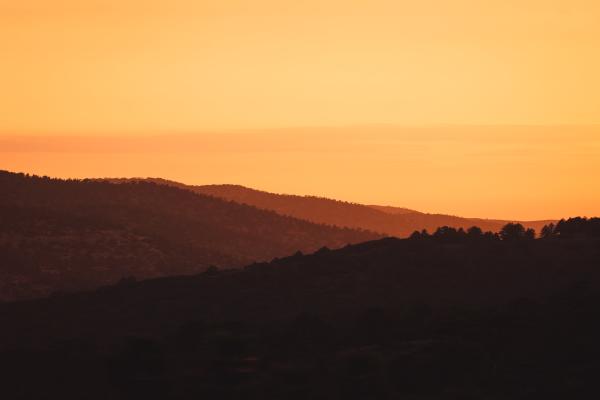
(394, 221)
(61, 235)
(453, 314)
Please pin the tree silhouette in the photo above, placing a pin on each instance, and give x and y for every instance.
(530, 234)
(578, 227)
(445, 232)
(474, 232)
(512, 232)
(415, 235)
(547, 231)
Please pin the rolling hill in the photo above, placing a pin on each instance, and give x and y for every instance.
(75, 234)
(394, 221)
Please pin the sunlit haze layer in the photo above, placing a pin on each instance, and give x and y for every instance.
(496, 172)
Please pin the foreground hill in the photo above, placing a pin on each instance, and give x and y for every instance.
(70, 234)
(395, 221)
(442, 317)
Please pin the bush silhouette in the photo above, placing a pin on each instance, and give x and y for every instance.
(513, 232)
(547, 231)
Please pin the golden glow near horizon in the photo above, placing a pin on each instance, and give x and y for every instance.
(495, 172)
(114, 73)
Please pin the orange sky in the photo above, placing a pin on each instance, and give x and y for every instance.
(130, 69)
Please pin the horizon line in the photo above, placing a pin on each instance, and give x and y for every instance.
(163, 132)
(283, 194)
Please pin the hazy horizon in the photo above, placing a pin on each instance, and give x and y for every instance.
(496, 172)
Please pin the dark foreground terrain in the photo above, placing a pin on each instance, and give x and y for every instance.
(449, 316)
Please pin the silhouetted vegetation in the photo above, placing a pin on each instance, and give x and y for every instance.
(578, 227)
(547, 231)
(509, 232)
(514, 231)
(60, 235)
(400, 222)
(452, 315)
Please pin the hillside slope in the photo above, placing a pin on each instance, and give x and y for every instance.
(69, 234)
(394, 221)
(443, 318)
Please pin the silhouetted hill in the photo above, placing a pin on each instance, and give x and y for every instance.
(394, 221)
(71, 234)
(441, 317)
(393, 210)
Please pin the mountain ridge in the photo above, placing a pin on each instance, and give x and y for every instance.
(73, 234)
(388, 220)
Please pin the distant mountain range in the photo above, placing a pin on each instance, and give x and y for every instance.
(77, 234)
(393, 221)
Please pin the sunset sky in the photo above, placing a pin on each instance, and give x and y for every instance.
(475, 108)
